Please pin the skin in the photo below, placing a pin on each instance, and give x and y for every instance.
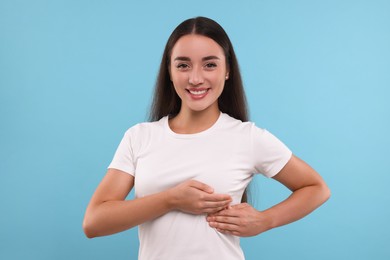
(199, 65)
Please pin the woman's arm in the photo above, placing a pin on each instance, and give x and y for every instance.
(108, 212)
(309, 191)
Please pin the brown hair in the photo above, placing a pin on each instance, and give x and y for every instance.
(232, 100)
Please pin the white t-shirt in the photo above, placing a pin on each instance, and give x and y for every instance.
(224, 157)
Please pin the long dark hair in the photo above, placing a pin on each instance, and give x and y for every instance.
(232, 100)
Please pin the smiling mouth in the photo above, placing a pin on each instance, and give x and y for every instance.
(197, 92)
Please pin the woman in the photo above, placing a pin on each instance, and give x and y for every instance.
(191, 165)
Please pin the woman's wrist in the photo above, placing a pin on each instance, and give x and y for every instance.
(169, 199)
(266, 221)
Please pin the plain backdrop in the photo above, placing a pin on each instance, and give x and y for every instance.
(74, 75)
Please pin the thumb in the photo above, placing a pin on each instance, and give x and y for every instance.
(201, 186)
(240, 206)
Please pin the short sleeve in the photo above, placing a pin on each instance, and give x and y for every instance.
(270, 154)
(124, 158)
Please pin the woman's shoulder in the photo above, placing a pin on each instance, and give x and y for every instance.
(234, 124)
(145, 128)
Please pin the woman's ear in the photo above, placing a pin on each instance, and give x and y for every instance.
(227, 72)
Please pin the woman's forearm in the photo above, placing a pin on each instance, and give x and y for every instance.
(115, 216)
(299, 204)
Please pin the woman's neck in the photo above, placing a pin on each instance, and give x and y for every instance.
(192, 122)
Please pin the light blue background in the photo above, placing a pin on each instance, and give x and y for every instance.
(74, 75)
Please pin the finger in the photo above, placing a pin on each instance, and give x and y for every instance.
(216, 204)
(240, 206)
(224, 220)
(219, 213)
(228, 212)
(224, 226)
(218, 197)
(212, 210)
(201, 186)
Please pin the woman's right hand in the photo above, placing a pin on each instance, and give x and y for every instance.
(197, 198)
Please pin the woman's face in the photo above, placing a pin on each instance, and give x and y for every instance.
(198, 71)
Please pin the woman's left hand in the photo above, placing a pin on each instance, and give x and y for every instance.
(240, 220)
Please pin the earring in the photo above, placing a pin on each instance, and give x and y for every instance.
(227, 77)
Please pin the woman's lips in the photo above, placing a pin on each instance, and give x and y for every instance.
(198, 93)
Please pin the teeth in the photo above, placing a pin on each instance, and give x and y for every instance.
(198, 92)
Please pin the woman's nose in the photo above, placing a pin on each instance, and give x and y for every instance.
(195, 77)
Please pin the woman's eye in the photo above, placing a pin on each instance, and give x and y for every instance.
(182, 66)
(210, 65)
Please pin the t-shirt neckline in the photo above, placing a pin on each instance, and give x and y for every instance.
(195, 135)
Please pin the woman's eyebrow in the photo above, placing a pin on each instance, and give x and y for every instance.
(210, 58)
(183, 58)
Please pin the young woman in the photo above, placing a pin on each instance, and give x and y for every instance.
(191, 165)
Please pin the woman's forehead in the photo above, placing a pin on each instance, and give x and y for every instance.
(197, 46)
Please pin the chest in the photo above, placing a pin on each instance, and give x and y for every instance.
(221, 163)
